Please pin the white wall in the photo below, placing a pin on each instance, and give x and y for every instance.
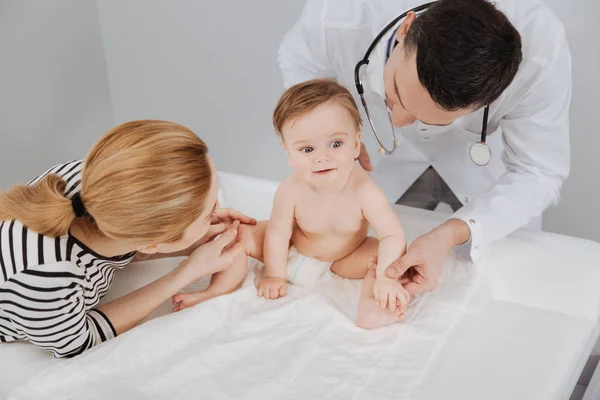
(54, 99)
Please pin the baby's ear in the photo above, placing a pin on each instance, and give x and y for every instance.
(357, 138)
(287, 152)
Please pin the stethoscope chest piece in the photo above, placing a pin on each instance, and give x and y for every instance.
(480, 153)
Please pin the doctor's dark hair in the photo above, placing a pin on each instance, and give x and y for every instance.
(303, 97)
(467, 52)
(144, 182)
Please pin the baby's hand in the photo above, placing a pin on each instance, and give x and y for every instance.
(272, 288)
(390, 294)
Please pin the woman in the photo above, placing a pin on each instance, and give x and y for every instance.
(146, 187)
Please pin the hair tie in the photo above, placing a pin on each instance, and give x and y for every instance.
(77, 205)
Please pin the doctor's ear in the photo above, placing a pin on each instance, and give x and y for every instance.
(405, 26)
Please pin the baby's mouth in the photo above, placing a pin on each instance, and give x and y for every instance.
(324, 171)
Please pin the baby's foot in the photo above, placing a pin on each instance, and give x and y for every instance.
(370, 315)
(182, 301)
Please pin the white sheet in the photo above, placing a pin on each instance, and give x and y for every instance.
(303, 346)
(243, 347)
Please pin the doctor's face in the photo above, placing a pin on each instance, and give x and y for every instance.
(406, 97)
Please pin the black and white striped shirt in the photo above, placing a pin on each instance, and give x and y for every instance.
(50, 286)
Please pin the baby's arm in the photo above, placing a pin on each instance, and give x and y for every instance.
(277, 242)
(392, 243)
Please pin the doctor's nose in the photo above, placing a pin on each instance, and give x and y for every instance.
(401, 117)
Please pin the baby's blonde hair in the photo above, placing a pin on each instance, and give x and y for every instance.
(143, 181)
(303, 97)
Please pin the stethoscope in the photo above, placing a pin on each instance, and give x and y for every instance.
(480, 152)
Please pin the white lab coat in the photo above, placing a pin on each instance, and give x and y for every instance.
(528, 128)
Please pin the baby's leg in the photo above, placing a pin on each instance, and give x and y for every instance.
(355, 266)
(232, 278)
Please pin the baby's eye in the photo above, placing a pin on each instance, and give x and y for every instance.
(307, 150)
(336, 144)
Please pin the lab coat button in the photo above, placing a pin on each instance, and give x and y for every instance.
(472, 221)
(466, 199)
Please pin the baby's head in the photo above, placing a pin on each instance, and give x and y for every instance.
(319, 125)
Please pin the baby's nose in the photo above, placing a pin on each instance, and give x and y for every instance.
(322, 158)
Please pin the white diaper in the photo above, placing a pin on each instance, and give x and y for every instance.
(305, 271)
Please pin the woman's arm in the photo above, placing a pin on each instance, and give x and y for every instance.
(51, 312)
(126, 312)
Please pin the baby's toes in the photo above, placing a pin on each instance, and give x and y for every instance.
(177, 299)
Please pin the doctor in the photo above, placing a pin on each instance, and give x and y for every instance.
(479, 98)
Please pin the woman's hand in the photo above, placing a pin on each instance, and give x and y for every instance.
(222, 215)
(220, 220)
(215, 256)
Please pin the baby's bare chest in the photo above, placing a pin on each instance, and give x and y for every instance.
(316, 215)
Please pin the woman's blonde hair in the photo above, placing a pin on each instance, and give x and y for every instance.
(143, 181)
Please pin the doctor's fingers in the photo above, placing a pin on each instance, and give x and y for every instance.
(421, 283)
(400, 266)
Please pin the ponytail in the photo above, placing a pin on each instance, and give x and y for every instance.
(42, 207)
(143, 181)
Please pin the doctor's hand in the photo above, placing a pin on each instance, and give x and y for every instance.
(420, 269)
(364, 159)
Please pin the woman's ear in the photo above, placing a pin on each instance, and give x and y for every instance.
(149, 249)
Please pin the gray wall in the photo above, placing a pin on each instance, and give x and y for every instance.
(578, 213)
(200, 64)
(54, 98)
(181, 60)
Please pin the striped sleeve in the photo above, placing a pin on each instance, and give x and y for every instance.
(48, 308)
(70, 172)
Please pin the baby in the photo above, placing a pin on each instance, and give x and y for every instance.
(323, 211)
